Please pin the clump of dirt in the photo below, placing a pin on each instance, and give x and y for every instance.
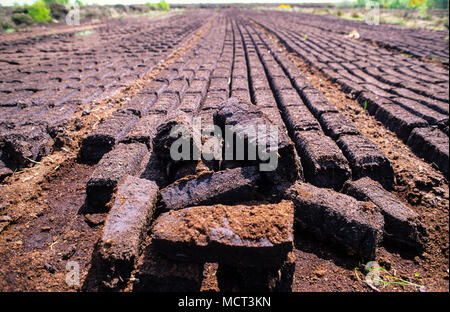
(209, 282)
(251, 224)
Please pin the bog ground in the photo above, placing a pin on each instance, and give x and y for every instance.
(87, 181)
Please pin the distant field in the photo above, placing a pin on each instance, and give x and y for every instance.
(17, 18)
(433, 19)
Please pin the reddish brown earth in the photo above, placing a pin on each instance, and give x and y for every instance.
(44, 221)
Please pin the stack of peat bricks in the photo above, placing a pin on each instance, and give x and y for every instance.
(409, 96)
(43, 81)
(168, 218)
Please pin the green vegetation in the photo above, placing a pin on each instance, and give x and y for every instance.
(438, 4)
(355, 15)
(381, 277)
(58, 10)
(39, 11)
(84, 33)
(65, 2)
(408, 13)
(406, 4)
(162, 6)
(22, 19)
(6, 26)
(419, 5)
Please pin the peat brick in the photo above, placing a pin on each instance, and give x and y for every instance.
(244, 95)
(187, 75)
(85, 95)
(240, 235)
(336, 124)
(350, 87)
(219, 84)
(431, 116)
(7, 113)
(366, 159)
(276, 74)
(155, 87)
(190, 168)
(198, 86)
(12, 99)
(202, 74)
(191, 102)
(21, 146)
(264, 98)
(337, 218)
(299, 118)
(144, 130)
(141, 103)
(399, 120)
(157, 273)
(208, 188)
(317, 102)
(56, 115)
(167, 75)
(114, 166)
(273, 114)
(377, 91)
(289, 97)
(431, 144)
(221, 72)
(25, 116)
(372, 102)
(439, 106)
(324, 163)
(401, 224)
(214, 99)
(162, 141)
(178, 87)
(259, 83)
(239, 84)
(106, 136)
(125, 226)
(165, 103)
(276, 279)
(300, 82)
(239, 115)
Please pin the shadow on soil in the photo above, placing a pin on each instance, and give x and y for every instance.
(309, 243)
